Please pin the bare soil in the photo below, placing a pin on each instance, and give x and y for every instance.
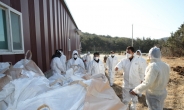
(175, 87)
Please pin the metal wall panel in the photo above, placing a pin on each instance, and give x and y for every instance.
(44, 34)
(7, 2)
(59, 23)
(32, 29)
(56, 23)
(47, 25)
(49, 31)
(53, 19)
(38, 34)
(26, 26)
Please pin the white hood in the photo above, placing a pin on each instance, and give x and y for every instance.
(139, 52)
(75, 51)
(155, 53)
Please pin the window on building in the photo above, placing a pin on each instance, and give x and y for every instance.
(3, 30)
(11, 37)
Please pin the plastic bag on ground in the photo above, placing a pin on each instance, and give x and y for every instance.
(15, 73)
(4, 66)
(22, 89)
(92, 94)
(100, 96)
(3, 105)
(29, 65)
(57, 80)
(2, 75)
(21, 63)
(77, 94)
(4, 80)
(66, 79)
(65, 98)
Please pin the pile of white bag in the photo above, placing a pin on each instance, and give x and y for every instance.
(24, 87)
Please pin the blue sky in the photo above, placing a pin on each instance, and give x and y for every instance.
(150, 18)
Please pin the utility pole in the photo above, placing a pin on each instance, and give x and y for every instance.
(132, 37)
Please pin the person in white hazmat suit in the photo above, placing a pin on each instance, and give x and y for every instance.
(76, 63)
(156, 79)
(56, 66)
(133, 75)
(63, 58)
(111, 62)
(138, 54)
(96, 66)
(86, 59)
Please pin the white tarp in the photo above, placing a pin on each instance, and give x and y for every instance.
(36, 93)
(22, 89)
(32, 93)
(65, 98)
(4, 66)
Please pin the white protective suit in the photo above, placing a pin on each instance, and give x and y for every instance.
(111, 63)
(133, 74)
(87, 58)
(96, 68)
(156, 79)
(142, 60)
(57, 66)
(77, 69)
(63, 60)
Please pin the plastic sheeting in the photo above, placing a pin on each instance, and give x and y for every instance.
(2, 75)
(65, 98)
(23, 89)
(3, 105)
(4, 79)
(29, 65)
(92, 94)
(4, 66)
(21, 63)
(34, 92)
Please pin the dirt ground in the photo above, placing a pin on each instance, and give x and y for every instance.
(175, 87)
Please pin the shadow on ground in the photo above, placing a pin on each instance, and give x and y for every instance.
(142, 101)
(118, 90)
(168, 109)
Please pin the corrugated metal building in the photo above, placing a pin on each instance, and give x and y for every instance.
(41, 26)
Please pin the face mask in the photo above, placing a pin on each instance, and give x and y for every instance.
(129, 55)
(112, 55)
(137, 55)
(96, 58)
(75, 56)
